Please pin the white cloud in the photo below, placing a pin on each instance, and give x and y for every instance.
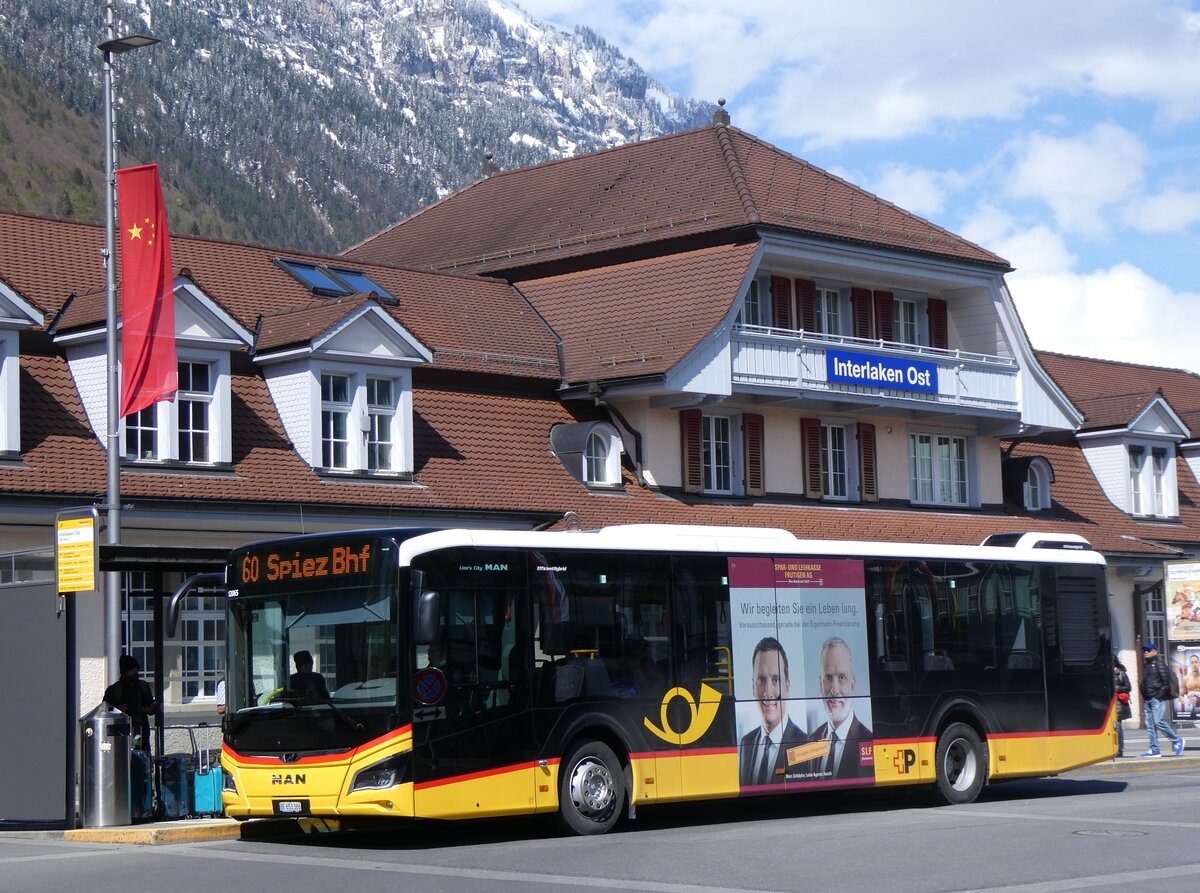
(1082, 177)
(1119, 313)
(876, 69)
(1170, 211)
(919, 190)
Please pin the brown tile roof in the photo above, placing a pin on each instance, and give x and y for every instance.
(475, 452)
(713, 179)
(471, 323)
(1086, 379)
(302, 326)
(1112, 410)
(642, 317)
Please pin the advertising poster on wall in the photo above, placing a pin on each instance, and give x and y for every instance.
(802, 680)
(1183, 635)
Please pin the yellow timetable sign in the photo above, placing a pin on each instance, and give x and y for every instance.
(75, 553)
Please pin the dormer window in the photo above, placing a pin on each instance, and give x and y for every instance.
(1158, 468)
(183, 430)
(1036, 486)
(590, 451)
(15, 314)
(345, 395)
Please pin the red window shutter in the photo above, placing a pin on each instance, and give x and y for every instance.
(868, 473)
(781, 302)
(752, 432)
(806, 304)
(885, 316)
(810, 441)
(690, 421)
(938, 327)
(861, 299)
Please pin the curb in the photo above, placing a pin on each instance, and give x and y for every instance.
(1139, 764)
(158, 834)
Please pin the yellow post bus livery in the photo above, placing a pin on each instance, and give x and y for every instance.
(457, 673)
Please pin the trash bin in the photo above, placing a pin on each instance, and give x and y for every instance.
(104, 748)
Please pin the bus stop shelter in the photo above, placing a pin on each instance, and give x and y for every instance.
(39, 662)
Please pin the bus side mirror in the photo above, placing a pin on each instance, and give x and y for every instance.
(425, 627)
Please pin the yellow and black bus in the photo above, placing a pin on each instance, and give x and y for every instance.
(457, 673)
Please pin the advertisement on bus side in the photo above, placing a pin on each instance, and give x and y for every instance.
(799, 637)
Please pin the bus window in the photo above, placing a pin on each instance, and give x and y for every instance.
(701, 622)
(602, 625)
(887, 583)
(1021, 622)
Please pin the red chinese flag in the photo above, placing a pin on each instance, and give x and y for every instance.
(148, 367)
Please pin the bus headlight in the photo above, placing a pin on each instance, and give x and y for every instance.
(384, 774)
(228, 785)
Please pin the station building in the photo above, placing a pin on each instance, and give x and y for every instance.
(695, 329)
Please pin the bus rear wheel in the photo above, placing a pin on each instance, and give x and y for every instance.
(591, 788)
(961, 764)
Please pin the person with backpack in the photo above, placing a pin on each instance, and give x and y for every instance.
(1156, 695)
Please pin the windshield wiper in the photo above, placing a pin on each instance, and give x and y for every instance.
(242, 716)
(344, 716)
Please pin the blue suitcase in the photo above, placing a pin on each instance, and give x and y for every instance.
(206, 784)
(175, 791)
(141, 786)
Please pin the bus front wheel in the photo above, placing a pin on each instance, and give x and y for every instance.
(591, 788)
(961, 764)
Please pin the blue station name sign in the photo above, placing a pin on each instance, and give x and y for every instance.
(899, 373)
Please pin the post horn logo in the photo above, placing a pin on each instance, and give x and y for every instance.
(703, 713)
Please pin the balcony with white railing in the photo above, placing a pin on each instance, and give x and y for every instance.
(783, 361)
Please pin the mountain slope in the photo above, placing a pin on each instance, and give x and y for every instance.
(313, 123)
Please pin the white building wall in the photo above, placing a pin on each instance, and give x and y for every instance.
(291, 388)
(89, 370)
(975, 317)
(10, 397)
(1110, 465)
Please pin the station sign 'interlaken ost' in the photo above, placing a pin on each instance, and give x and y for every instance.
(899, 373)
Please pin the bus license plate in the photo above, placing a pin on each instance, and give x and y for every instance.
(291, 807)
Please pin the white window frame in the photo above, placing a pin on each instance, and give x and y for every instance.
(333, 409)
(10, 391)
(166, 414)
(380, 413)
(906, 331)
(362, 418)
(1158, 474)
(198, 397)
(752, 312)
(938, 482)
(829, 310)
(831, 450)
(714, 466)
(1035, 489)
(1137, 461)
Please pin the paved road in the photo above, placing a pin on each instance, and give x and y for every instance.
(1094, 830)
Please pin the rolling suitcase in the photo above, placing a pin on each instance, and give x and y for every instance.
(175, 787)
(141, 786)
(206, 784)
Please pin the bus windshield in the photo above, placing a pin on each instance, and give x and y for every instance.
(313, 638)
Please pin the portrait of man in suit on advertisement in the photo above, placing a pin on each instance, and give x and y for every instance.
(842, 729)
(763, 750)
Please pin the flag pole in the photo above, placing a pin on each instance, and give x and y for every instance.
(112, 46)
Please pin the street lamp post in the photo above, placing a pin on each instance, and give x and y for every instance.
(113, 46)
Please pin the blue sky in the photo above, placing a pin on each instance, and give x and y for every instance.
(1063, 135)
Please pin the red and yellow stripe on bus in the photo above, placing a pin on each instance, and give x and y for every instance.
(657, 776)
(321, 780)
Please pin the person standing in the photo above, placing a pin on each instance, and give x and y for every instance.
(1156, 695)
(1122, 687)
(132, 696)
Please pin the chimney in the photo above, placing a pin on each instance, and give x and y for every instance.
(488, 168)
(720, 116)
